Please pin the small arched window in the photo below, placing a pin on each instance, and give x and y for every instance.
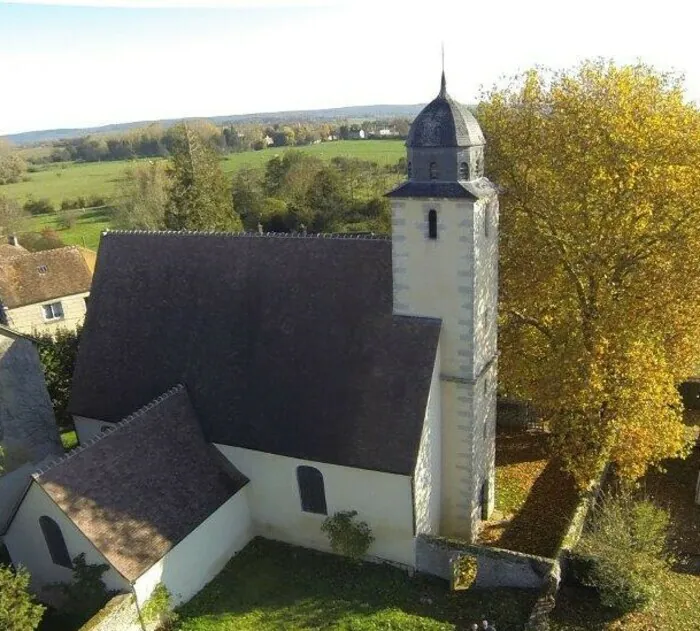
(487, 219)
(55, 542)
(433, 171)
(463, 171)
(311, 490)
(409, 169)
(432, 224)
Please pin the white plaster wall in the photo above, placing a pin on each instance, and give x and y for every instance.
(88, 428)
(455, 278)
(383, 500)
(27, 546)
(198, 558)
(30, 318)
(426, 480)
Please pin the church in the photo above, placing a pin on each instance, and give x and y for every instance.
(237, 385)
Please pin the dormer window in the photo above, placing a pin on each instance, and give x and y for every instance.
(409, 170)
(433, 171)
(463, 171)
(42, 269)
(432, 224)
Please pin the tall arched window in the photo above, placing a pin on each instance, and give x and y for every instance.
(432, 224)
(311, 490)
(55, 542)
(433, 171)
(409, 170)
(463, 171)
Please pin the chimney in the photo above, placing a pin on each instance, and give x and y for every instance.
(12, 240)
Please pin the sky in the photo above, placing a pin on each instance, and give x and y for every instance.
(90, 62)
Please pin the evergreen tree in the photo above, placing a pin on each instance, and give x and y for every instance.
(199, 197)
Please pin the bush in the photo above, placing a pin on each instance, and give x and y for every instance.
(18, 611)
(47, 239)
(159, 607)
(86, 594)
(622, 554)
(41, 206)
(347, 536)
(68, 219)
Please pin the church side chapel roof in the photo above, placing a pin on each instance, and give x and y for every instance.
(31, 277)
(287, 345)
(142, 487)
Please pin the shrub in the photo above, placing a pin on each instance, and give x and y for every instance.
(18, 611)
(86, 594)
(68, 219)
(464, 568)
(159, 607)
(622, 554)
(347, 536)
(41, 206)
(47, 239)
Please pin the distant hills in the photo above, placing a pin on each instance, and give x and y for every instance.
(291, 116)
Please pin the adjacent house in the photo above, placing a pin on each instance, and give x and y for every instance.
(28, 431)
(233, 385)
(43, 291)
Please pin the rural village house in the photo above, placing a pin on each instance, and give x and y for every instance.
(228, 386)
(28, 431)
(43, 291)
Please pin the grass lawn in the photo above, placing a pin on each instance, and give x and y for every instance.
(70, 180)
(272, 586)
(534, 498)
(69, 440)
(85, 232)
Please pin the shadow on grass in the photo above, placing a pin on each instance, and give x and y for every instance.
(579, 608)
(540, 524)
(271, 585)
(519, 447)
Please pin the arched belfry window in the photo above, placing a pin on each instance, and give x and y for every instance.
(433, 171)
(409, 169)
(311, 490)
(55, 542)
(463, 171)
(432, 224)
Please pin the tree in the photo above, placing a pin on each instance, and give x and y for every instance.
(142, 197)
(12, 168)
(18, 611)
(12, 216)
(199, 197)
(600, 252)
(58, 353)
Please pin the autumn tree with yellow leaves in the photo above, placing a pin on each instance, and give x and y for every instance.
(600, 257)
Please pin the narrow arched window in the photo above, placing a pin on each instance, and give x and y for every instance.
(433, 171)
(487, 219)
(311, 490)
(432, 224)
(409, 169)
(55, 542)
(463, 171)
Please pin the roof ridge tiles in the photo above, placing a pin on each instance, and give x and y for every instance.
(110, 428)
(256, 235)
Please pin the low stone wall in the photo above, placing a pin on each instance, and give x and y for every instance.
(119, 614)
(495, 567)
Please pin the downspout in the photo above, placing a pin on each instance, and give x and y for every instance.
(138, 609)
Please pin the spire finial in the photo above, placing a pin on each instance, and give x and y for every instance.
(443, 83)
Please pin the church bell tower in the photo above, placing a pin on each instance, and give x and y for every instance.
(445, 265)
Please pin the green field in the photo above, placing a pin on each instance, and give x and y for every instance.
(85, 232)
(70, 180)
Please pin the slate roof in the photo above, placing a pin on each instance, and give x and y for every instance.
(474, 189)
(287, 345)
(143, 486)
(32, 277)
(445, 123)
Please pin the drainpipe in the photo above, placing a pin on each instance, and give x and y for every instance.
(138, 609)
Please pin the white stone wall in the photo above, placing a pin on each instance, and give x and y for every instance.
(89, 428)
(383, 500)
(426, 480)
(455, 278)
(30, 318)
(196, 560)
(27, 547)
